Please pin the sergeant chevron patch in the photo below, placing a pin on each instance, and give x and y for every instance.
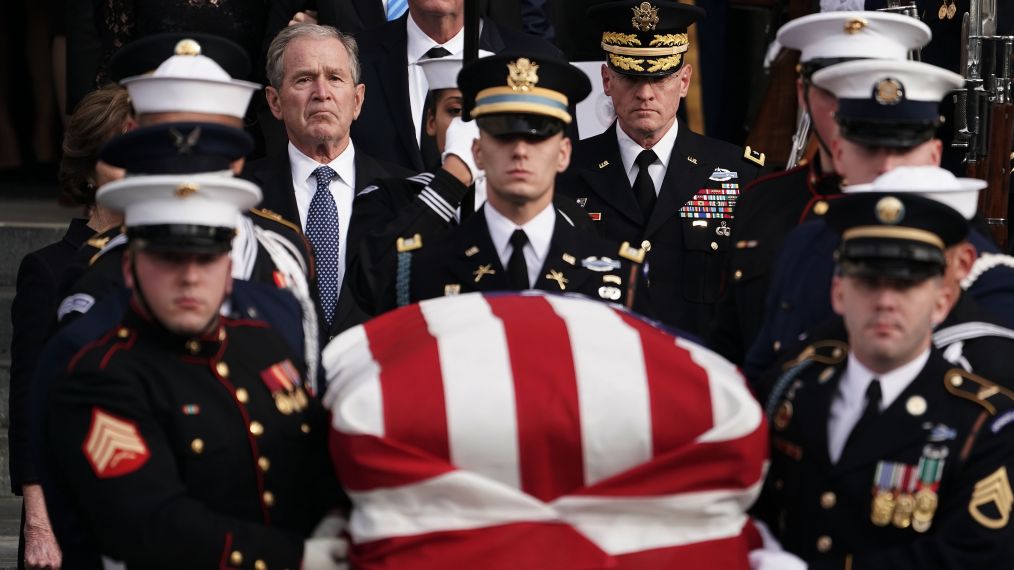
(114, 447)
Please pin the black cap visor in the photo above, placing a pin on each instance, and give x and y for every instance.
(890, 259)
(887, 134)
(181, 238)
(506, 124)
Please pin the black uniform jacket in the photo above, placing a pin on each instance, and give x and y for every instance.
(577, 262)
(181, 452)
(685, 259)
(385, 127)
(766, 212)
(949, 432)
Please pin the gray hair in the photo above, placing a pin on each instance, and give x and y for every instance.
(276, 51)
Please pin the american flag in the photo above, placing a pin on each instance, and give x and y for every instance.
(540, 431)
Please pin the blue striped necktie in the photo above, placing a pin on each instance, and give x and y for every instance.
(322, 231)
(395, 8)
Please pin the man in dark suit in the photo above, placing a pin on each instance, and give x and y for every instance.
(315, 90)
(390, 126)
(649, 180)
(519, 240)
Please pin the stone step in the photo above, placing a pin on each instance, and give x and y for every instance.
(10, 524)
(6, 297)
(19, 238)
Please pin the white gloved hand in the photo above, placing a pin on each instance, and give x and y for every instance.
(761, 559)
(330, 526)
(325, 554)
(458, 141)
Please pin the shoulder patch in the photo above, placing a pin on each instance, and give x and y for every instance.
(76, 303)
(114, 446)
(754, 156)
(275, 217)
(635, 254)
(823, 351)
(977, 389)
(406, 244)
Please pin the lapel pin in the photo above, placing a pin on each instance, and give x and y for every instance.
(569, 259)
(691, 160)
(604, 164)
(482, 271)
(916, 405)
(557, 276)
(471, 251)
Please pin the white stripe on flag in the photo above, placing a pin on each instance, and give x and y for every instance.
(612, 388)
(735, 412)
(424, 507)
(619, 525)
(353, 392)
(478, 386)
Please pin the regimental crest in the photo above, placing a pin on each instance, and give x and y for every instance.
(855, 26)
(645, 17)
(187, 46)
(185, 143)
(523, 74)
(187, 189)
(888, 91)
(114, 446)
(890, 210)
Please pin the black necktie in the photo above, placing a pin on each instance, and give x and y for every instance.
(644, 188)
(517, 269)
(427, 144)
(872, 410)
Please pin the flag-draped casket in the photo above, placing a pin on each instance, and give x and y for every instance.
(540, 431)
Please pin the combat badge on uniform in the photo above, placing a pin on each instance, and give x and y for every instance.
(114, 446)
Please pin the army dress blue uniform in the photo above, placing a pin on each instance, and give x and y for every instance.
(186, 452)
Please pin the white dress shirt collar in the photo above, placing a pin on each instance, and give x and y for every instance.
(305, 183)
(539, 231)
(629, 150)
(419, 43)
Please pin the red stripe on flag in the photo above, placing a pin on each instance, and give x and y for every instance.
(368, 462)
(726, 553)
(546, 398)
(678, 390)
(410, 381)
(532, 546)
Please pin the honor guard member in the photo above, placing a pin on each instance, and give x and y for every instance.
(888, 114)
(519, 240)
(185, 437)
(771, 206)
(883, 454)
(649, 180)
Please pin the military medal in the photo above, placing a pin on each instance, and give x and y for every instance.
(282, 380)
(931, 470)
(883, 508)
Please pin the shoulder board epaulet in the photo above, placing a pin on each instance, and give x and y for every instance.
(754, 156)
(964, 384)
(635, 254)
(275, 217)
(823, 352)
(406, 244)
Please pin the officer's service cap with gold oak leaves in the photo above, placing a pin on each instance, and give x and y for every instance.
(518, 94)
(647, 38)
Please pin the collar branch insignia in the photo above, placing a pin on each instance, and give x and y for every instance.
(557, 276)
(645, 17)
(522, 74)
(482, 271)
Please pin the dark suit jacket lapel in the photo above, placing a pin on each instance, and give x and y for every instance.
(607, 177)
(811, 407)
(368, 170)
(474, 233)
(370, 12)
(392, 70)
(275, 179)
(682, 179)
(565, 241)
(489, 38)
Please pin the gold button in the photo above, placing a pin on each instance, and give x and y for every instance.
(646, 245)
(256, 428)
(221, 333)
(824, 543)
(264, 463)
(305, 428)
(236, 558)
(837, 353)
(828, 500)
(197, 445)
(738, 275)
(777, 345)
(269, 498)
(242, 395)
(193, 346)
(123, 333)
(779, 484)
(956, 380)
(222, 369)
(820, 208)
(260, 565)
(714, 246)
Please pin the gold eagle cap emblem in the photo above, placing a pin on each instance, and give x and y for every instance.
(187, 47)
(890, 210)
(523, 74)
(855, 26)
(888, 91)
(187, 189)
(645, 17)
